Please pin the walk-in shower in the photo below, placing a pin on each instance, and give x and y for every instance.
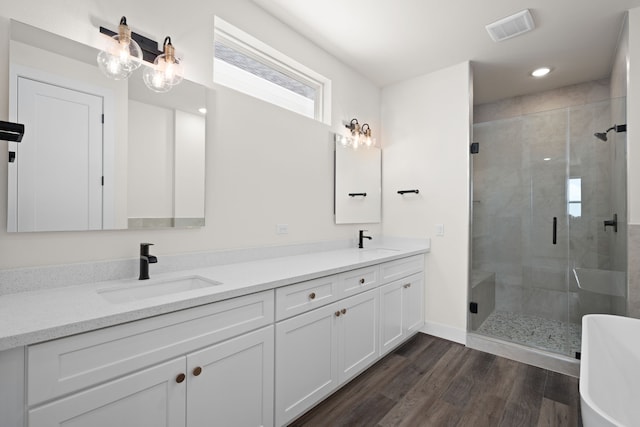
(544, 195)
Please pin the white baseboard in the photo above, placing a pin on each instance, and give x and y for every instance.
(445, 331)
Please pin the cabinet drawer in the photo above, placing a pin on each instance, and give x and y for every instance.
(356, 281)
(304, 296)
(394, 270)
(69, 364)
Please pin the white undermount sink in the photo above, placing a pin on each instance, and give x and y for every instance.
(155, 288)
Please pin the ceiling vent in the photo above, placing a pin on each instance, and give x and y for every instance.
(511, 26)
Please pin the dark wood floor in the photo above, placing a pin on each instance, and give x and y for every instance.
(433, 382)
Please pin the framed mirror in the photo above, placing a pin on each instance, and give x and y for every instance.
(99, 154)
(358, 179)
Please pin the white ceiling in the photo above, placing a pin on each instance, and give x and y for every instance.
(393, 40)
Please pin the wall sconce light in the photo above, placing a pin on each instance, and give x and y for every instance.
(166, 71)
(123, 55)
(358, 135)
(128, 50)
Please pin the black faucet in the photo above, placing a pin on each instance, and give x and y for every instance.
(145, 260)
(361, 236)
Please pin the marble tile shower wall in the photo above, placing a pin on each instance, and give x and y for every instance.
(517, 193)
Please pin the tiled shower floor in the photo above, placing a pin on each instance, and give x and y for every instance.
(545, 334)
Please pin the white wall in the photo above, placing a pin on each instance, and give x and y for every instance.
(265, 165)
(150, 161)
(426, 134)
(189, 175)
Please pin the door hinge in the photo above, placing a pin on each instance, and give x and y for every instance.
(473, 307)
(103, 119)
(578, 355)
(102, 181)
(475, 147)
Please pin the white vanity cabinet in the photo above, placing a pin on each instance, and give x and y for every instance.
(261, 359)
(189, 368)
(401, 310)
(149, 398)
(306, 361)
(231, 384)
(321, 349)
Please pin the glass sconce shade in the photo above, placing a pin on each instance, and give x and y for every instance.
(360, 135)
(167, 71)
(367, 139)
(154, 79)
(122, 56)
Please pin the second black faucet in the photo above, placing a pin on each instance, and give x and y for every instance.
(361, 237)
(145, 260)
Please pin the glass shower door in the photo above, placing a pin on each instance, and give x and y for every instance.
(545, 296)
(520, 247)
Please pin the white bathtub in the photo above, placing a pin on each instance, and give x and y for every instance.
(610, 371)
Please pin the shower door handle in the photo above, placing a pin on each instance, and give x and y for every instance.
(555, 230)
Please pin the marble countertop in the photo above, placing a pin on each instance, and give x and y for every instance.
(41, 315)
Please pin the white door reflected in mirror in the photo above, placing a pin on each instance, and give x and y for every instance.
(65, 128)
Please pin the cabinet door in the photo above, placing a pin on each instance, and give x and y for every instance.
(148, 398)
(391, 326)
(306, 361)
(357, 334)
(231, 383)
(413, 304)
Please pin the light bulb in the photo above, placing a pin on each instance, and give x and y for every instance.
(154, 79)
(170, 68)
(367, 139)
(356, 140)
(122, 56)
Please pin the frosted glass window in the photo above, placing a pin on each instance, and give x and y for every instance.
(575, 197)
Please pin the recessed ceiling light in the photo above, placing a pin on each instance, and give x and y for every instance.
(541, 72)
(546, 159)
(202, 110)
